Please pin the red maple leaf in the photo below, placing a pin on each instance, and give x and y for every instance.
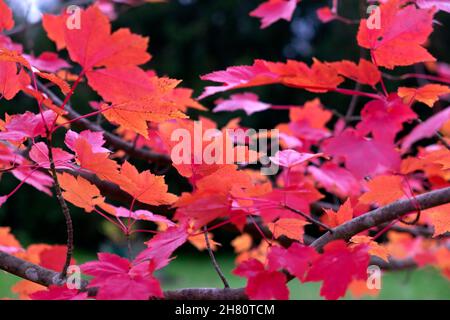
(363, 156)
(6, 17)
(399, 39)
(161, 247)
(274, 10)
(297, 259)
(337, 267)
(118, 279)
(262, 284)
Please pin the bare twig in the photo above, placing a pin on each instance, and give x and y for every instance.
(310, 219)
(214, 261)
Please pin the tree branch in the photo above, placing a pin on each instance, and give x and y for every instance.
(384, 214)
(32, 272)
(64, 208)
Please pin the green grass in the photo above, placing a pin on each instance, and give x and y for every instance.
(195, 270)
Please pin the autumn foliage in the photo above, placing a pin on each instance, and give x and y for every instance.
(333, 168)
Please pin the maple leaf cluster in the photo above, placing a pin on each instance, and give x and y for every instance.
(363, 164)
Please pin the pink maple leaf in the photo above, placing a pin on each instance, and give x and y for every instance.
(274, 10)
(246, 101)
(337, 267)
(61, 158)
(118, 279)
(290, 158)
(59, 293)
(95, 139)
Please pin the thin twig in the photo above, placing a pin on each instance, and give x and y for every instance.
(310, 219)
(64, 208)
(58, 191)
(353, 104)
(214, 261)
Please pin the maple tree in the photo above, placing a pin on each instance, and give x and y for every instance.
(369, 191)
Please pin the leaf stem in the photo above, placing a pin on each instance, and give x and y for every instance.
(310, 219)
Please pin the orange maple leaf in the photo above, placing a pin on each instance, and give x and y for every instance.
(439, 217)
(80, 192)
(199, 242)
(12, 80)
(25, 288)
(312, 112)
(98, 163)
(427, 94)
(55, 26)
(365, 72)
(13, 56)
(344, 213)
(375, 248)
(383, 190)
(242, 243)
(145, 186)
(62, 84)
(229, 177)
(291, 228)
(156, 106)
(320, 77)
(8, 241)
(93, 44)
(359, 288)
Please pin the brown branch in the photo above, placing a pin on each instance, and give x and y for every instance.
(29, 271)
(32, 272)
(382, 215)
(416, 231)
(214, 261)
(112, 139)
(65, 210)
(206, 294)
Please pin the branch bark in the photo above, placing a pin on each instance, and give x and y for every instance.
(32, 272)
(64, 208)
(384, 214)
(46, 277)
